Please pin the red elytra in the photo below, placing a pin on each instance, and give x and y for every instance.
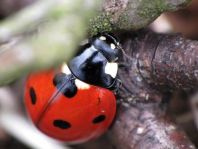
(83, 117)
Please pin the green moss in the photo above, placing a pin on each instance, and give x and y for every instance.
(100, 23)
(123, 21)
(152, 8)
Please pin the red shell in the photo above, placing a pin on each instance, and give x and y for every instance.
(79, 111)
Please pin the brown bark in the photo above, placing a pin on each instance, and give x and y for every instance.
(156, 65)
(145, 126)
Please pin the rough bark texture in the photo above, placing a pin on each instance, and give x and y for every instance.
(145, 126)
(131, 14)
(158, 62)
(147, 72)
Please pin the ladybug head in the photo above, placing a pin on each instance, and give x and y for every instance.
(107, 44)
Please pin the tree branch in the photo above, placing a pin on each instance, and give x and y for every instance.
(61, 24)
(158, 61)
(145, 126)
(148, 65)
(131, 14)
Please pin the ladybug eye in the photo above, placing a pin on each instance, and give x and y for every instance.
(112, 46)
(32, 95)
(99, 119)
(61, 124)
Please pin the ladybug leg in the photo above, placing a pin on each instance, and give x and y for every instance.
(110, 82)
(115, 86)
(66, 84)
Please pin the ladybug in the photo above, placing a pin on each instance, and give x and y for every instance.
(68, 103)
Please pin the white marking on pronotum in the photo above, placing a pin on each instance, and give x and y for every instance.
(111, 69)
(113, 46)
(102, 38)
(81, 85)
(65, 69)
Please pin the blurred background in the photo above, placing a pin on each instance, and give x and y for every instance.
(17, 132)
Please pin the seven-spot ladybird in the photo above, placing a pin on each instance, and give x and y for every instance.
(63, 106)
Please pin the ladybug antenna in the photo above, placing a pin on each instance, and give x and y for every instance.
(124, 53)
(110, 35)
(118, 45)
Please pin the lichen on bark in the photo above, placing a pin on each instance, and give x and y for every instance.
(132, 14)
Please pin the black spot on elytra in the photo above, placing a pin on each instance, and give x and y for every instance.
(32, 95)
(99, 119)
(61, 124)
(66, 84)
